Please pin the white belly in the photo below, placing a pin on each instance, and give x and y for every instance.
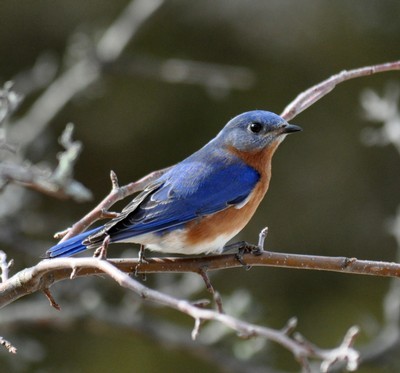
(174, 243)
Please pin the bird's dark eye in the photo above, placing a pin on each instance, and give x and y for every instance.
(255, 127)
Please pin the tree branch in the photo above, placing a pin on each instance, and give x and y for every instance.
(309, 97)
(50, 271)
(58, 183)
(84, 72)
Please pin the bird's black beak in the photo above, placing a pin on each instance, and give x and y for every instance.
(290, 128)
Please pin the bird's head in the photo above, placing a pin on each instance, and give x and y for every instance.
(255, 130)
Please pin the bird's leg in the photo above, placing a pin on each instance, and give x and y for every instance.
(101, 251)
(142, 259)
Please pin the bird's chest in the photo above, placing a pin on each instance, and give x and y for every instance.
(224, 225)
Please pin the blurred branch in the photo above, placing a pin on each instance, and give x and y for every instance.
(58, 183)
(7, 345)
(45, 273)
(4, 266)
(85, 71)
(124, 28)
(217, 79)
(385, 110)
(82, 73)
(9, 101)
(129, 317)
(104, 54)
(38, 76)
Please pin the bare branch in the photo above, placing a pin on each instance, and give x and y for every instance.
(47, 272)
(217, 79)
(84, 72)
(58, 183)
(315, 93)
(50, 297)
(124, 28)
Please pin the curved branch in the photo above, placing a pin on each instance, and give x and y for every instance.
(309, 97)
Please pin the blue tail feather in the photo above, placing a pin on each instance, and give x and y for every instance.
(70, 247)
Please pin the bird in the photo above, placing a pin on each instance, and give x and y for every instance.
(202, 202)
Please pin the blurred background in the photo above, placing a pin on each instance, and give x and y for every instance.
(185, 71)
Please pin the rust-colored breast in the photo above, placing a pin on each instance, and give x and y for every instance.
(232, 220)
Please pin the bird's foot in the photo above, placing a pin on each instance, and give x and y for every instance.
(243, 247)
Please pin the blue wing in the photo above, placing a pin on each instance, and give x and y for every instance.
(188, 191)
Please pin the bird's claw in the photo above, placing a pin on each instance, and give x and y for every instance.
(247, 248)
(244, 247)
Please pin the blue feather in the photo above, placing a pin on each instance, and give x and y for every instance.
(72, 246)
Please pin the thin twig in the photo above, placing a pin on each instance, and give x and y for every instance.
(210, 288)
(51, 299)
(316, 92)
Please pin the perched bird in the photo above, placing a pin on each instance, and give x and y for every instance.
(202, 202)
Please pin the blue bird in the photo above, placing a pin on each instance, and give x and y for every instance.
(202, 202)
